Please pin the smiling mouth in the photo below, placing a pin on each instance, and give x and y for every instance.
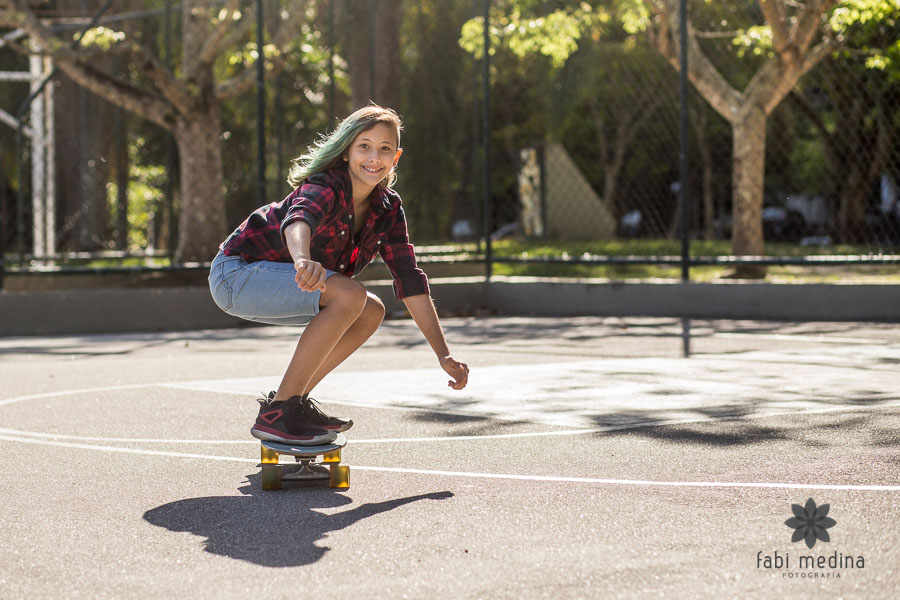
(372, 170)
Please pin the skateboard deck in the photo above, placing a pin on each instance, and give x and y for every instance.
(273, 473)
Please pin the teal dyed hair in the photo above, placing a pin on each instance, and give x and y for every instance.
(328, 152)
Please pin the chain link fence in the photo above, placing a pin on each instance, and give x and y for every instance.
(583, 164)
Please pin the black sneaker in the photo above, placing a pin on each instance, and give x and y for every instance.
(312, 412)
(286, 422)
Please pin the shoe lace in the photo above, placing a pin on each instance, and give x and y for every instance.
(266, 399)
(313, 405)
(290, 406)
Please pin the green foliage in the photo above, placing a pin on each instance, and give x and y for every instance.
(100, 38)
(296, 111)
(754, 40)
(634, 16)
(439, 169)
(870, 27)
(554, 35)
(863, 13)
(145, 196)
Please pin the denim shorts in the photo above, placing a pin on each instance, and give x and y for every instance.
(263, 291)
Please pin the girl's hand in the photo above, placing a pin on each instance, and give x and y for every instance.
(457, 370)
(310, 275)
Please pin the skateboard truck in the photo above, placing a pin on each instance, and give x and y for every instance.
(273, 473)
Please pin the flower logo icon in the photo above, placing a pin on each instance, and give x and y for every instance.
(810, 523)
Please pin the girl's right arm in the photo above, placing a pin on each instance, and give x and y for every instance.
(310, 275)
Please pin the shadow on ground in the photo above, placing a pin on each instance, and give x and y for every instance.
(272, 529)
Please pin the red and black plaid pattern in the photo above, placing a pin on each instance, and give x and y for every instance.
(325, 202)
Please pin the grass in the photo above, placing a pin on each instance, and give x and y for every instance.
(518, 249)
(774, 274)
(886, 273)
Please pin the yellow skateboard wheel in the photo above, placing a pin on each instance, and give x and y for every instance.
(340, 477)
(271, 477)
(268, 457)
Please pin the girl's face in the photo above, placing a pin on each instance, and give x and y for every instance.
(371, 156)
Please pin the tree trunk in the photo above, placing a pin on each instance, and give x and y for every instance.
(709, 208)
(387, 53)
(82, 168)
(611, 170)
(852, 208)
(202, 224)
(372, 43)
(862, 171)
(748, 178)
(699, 121)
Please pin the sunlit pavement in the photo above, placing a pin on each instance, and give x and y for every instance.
(587, 457)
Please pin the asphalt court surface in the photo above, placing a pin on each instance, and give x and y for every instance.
(588, 457)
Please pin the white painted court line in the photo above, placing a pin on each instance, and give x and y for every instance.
(466, 438)
(455, 438)
(506, 476)
(109, 388)
(122, 450)
(707, 484)
(471, 438)
(121, 440)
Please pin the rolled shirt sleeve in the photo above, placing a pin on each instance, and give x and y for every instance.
(311, 202)
(400, 258)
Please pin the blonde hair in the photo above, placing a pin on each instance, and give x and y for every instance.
(328, 151)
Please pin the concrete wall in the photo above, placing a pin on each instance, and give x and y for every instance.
(731, 300)
(173, 308)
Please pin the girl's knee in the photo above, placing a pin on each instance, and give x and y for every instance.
(374, 309)
(345, 293)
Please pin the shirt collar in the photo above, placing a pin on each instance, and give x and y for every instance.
(381, 199)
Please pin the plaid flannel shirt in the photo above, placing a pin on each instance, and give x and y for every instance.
(325, 202)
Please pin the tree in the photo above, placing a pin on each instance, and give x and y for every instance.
(792, 39)
(441, 165)
(372, 47)
(799, 41)
(787, 40)
(853, 102)
(616, 113)
(186, 101)
(586, 64)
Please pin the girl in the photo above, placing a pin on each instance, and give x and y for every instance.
(293, 262)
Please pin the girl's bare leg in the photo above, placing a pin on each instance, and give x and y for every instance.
(344, 323)
(361, 330)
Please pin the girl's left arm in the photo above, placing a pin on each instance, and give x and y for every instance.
(423, 313)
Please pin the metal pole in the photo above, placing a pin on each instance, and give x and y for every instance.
(20, 196)
(331, 87)
(683, 155)
(2, 228)
(372, 65)
(172, 150)
(20, 111)
(683, 152)
(260, 107)
(488, 206)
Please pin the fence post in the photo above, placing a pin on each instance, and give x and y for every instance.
(488, 205)
(260, 107)
(2, 229)
(682, 188)
(331, 87)
(171, 149)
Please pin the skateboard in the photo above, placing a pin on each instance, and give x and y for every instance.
(273, 474)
